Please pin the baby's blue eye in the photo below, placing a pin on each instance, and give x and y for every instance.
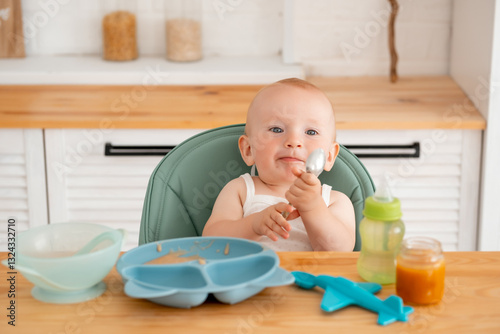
(276, 130)
(311, 132)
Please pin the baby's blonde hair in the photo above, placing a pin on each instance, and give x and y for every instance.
(296, 82)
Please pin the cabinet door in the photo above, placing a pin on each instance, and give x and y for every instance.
(23, 200)
(85, 185)
(439, 189)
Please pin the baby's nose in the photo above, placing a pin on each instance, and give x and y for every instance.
(293, 141)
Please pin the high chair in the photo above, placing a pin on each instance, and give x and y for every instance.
(183, 187)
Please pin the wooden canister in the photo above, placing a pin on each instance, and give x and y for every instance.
(11, 29)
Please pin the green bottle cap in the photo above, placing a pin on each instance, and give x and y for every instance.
(383, 211)
(382, 205)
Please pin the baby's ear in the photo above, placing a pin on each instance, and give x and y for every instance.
(331, 155)
(246, 150)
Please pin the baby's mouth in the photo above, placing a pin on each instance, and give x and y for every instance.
(292, 160)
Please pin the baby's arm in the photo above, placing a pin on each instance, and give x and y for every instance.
(227, 216)
(330, 228)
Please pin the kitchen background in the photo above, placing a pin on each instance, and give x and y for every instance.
(329, 37)
(257, 41)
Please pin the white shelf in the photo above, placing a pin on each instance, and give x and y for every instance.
(55, 70)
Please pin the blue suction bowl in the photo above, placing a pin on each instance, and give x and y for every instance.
(232, 270)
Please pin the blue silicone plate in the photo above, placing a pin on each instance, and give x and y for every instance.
(232, 270)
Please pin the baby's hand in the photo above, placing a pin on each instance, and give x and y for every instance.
(305, 192)
(270, 222)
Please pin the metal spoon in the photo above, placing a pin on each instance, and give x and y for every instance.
(315, 164)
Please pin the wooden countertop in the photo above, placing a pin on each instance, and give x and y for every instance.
(359, 102)
(471, 304)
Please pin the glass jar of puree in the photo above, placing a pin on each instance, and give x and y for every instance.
(420, 271)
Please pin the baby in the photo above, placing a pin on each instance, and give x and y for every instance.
(286, 121)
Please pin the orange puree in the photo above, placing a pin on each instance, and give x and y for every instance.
(420, 283)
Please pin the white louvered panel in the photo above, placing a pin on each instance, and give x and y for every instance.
(101, 204)
(13, 193)
(429, 138)
(100, 189)
(22, 180)
(116, 204)
(14, 181)
(443, 204)
(444, 181)
(424, 227)
(411, 192)
(14, 205)
(105, 181)
(430, 216)
(21, 215)
(107, 215)
(449, 241)
(398, 172)
(96, 158)
(12, 158)
(429, 186)
(105, 193)
(13, 169)
(118, 170)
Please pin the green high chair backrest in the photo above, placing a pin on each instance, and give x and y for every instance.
(183, 187)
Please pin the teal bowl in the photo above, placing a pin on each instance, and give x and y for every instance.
(51, 258)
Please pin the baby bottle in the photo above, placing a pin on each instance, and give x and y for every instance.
(381, 232)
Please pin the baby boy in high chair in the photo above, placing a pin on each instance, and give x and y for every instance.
(286, 121)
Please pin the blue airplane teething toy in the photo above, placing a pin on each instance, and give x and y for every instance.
(341, 292)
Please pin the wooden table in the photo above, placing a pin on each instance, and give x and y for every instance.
(471, 304)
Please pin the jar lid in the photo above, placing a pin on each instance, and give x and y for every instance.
(384, 211)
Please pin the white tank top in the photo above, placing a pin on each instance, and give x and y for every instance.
(298, 239)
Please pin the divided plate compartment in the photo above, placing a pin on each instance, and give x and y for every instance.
(232, 270)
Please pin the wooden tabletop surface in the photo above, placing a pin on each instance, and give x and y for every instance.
(359, 103)
(471, 304)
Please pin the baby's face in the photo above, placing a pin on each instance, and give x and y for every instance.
(284, 125)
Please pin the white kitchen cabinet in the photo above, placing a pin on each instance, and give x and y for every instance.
(22, 180)
(438, 190)
(85, 185)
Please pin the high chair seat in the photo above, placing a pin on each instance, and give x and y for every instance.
(185, 184)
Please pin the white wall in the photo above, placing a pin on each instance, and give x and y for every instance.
(345, 38)
(323, 29)
(471, 48)
(69, 27)
(475, 66)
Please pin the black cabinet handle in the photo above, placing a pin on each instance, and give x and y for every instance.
(361, 151)
(111, 150)
(385, 151)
